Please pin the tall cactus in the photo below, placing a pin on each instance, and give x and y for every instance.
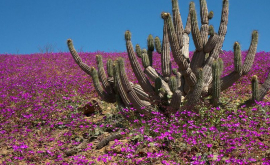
(193, 79)
(259, 91)
(216, 69)
(255, 88)
(151, 46)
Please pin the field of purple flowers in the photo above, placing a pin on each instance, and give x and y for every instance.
(39, 118)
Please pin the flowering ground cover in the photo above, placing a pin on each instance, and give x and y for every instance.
(40, 121)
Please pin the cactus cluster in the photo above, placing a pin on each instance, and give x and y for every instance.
(192, 80)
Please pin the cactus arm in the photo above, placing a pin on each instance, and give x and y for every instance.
(194, 96)
(207, 69)
(216, 84)
(173, 83)
(152, 74)
(77, 58)
(176, 101)
(251, 53)
(211, 43)
(264, 88)
(123, 77)
(110, 68)
(255, 88)
(204, 21)
(92, 72)
(179, 59)
(196, 35)
(210, 15)
(141, 94)
(228, 80)
(101, 92)
(73, 52)
(158, 85)
(185, 48)
(145, 60)
(173, 40)
(178, 25)
(158, 45)
(119, 85)
(138, 50)
(143, 81)
(150, 45)
(165, 55)
(204, 12)
(188, 23)
(102, 75)
(237, 58)
(224, 18)
(197, 61)
(132, 96)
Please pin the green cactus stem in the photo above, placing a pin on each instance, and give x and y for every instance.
(237, 58)
(101, 92)
(224, 18)
(110, 68)
(151, 46)
(119, 86)
(153, 74)
(195, 31)
(177, 21)
(131, 94)
(138, 51)
(92, 72)
(173, 83)
(178, 57)
(203, 12)
(207, 69)
(145, 60)
(158, 84)
(251, 53)
(176, 101)
(210, 15)
(204, 21)
(211, 43)
(228, 80)
(102, 75)
(165, 54)
(141, 94)
(174, 71)
(211, 30)
(168, 92)
(123, 76)
(255, 88)
(193, 96)
(216, 84)
(221, 66)
(143, 81)
(158, 45)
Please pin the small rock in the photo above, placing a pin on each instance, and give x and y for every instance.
(91, 107)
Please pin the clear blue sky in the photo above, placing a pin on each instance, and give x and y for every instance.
(95, 25)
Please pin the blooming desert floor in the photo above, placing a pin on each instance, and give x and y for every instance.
(41, 121)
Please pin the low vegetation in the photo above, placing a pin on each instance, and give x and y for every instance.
(41, 123)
